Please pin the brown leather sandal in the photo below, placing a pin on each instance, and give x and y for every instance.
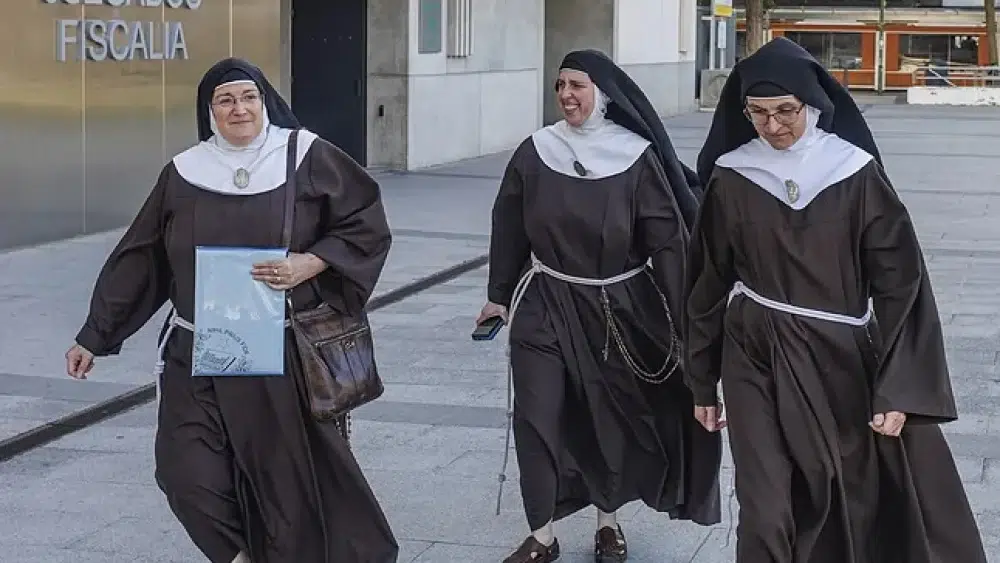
(610, 545)
(532, 551)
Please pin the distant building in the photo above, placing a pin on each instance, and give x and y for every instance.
(947, 35)
(96, 96)
(478, 75)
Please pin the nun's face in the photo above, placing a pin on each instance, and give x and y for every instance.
(575, 92)
(779, 121)
(238, 110)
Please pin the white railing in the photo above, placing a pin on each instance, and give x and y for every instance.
(957, 76)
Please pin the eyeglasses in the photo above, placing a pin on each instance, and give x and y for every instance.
(228, 102)
(784, 116)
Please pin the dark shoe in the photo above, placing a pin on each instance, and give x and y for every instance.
(532, 551)
(610, 545)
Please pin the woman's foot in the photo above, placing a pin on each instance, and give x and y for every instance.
(533, 551)
(610, 546)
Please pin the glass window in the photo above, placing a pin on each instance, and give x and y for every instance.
(429, 15)
(964, 50)
(924, 50)
(832, 50)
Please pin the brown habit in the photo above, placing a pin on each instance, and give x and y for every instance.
(241, 462)
(815, 484)
(588, 430)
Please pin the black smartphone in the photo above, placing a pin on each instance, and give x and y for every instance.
(488, 329)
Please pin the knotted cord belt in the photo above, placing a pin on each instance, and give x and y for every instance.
(739, 288)
(173, 321)
(611, 331)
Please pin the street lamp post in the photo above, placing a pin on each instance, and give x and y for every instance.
(880, 55)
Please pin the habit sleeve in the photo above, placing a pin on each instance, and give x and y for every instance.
(354, 236)
(912, 372)
(662, 234)
(710, 277)
(509, 246)
(134, 282)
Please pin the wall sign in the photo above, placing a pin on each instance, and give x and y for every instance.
(120, 40)
(722, 8)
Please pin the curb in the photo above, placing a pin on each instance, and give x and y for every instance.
(109, 408)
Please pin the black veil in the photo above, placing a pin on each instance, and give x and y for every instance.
(790, 68)
(228, 70)
(630, 108)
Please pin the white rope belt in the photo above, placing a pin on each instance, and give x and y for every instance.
(173, 321)
(739, 288)
(537, 267)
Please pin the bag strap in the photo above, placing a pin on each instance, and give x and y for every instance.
(290, 189)
(291, 162)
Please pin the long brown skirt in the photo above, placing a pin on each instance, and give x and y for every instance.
(815, 484)
(245, 468)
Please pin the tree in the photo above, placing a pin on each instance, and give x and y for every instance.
(991, 30)
(756, 14)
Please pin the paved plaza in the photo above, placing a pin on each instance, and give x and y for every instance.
(432, 446)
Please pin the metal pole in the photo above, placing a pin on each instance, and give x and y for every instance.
(713, 48)
(991, 31)
(880, 55)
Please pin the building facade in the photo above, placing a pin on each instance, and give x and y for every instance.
(97, 95)
(922, 42)
(479, 79)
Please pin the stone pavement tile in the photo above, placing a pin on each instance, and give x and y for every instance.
(719, 547)
(13, 427)
(49, 528)
(36, 554)
(464, 416)
(434, 394)
(35, 408)
(970, 468)
(990, 520)
(490, 378)
(969, 424)
(411, 550)
(973, 445)
(159, 533)
(14, 386)
(438, 552)
(97, 456)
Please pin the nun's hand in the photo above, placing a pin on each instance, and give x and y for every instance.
(491, 310)
(710, 417)
(282, 275)
(79, 362)
(888, 424)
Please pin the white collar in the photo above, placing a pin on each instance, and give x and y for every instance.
(602, 146)
(211, 165)
(797, 175)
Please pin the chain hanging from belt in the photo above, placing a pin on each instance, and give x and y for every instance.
(612, 331)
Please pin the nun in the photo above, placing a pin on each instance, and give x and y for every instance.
(247, 471)
(587, 252)
(809, 298)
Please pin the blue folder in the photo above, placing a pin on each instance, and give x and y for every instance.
(239, 322)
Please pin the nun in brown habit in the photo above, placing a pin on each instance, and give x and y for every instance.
(247, 471)
(587, 252)
(809, 298)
